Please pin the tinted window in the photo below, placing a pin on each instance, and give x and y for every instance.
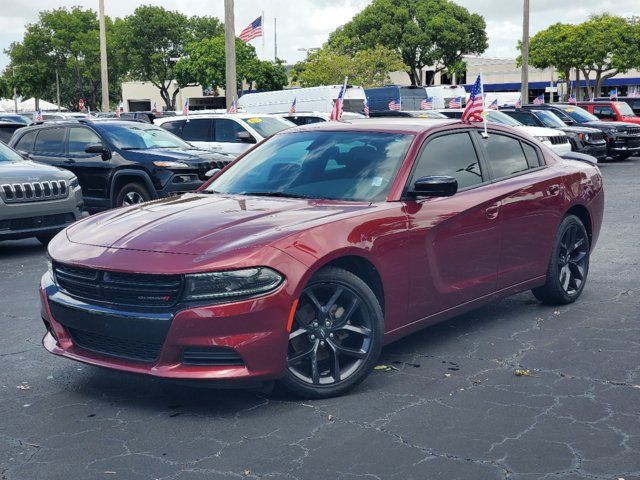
(140, 136)
(524, 118)
(198, 130)
(50, 140)
(79, 138)
(505, 155)
(267, 126)
(6, 132)
(226, 130)
(603, 112)
(580, 115)
(8, 155)
(533, 160)
(174, 127)
(452, 155)
(25, 143)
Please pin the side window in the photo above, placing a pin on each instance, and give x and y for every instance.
(531, 154)
(453, 155)
(524, 118)
(50, 140)
(197, 130)
(505, 155)
(226, 130)
(175, 127)
(604, 111)
(25, 143)
(79, 138)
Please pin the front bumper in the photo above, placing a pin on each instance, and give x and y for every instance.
(254, 330)
(598, 150)
(624, 144)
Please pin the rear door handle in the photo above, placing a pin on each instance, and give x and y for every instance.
(492, 212)
(554, 189)
(69, 160)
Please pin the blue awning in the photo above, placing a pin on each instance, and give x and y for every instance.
(515, 86)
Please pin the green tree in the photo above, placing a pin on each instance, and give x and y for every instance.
(367, 68)
(425, 33)
(270, 75)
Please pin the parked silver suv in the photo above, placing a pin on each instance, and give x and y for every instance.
(35, 200)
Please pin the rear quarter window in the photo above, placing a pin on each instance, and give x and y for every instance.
(50, 140)
(25, 142)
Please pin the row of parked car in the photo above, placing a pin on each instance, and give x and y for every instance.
(63, 166)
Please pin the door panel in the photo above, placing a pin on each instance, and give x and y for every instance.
(224, 136)
(92, 171)
(49, 147)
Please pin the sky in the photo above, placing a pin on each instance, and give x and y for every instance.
(308, 23)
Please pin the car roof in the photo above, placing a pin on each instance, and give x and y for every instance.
(380, 124)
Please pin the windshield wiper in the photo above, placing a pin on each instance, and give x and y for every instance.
(275, 194)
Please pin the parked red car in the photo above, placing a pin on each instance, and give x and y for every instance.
(611, 111)
(302, 258)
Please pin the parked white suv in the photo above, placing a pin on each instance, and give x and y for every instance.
(232, 134)
(306, 118)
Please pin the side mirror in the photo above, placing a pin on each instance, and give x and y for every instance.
(98, 149)
(245, 137)
(434, 186)
(25, 155)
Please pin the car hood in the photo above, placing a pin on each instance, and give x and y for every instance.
(26, 171)
(540, 131)
(195, 224)
(187, 155)
(580, 129)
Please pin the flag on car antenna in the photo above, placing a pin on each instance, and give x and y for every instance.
(336, 112)
(292, 108)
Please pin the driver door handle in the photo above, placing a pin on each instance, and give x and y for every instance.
(69, 160)
(492, 211)
(554, 189)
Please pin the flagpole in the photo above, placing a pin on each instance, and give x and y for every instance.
(263, 32)
(484, 106)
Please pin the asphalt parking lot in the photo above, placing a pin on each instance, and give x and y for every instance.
(449, 405)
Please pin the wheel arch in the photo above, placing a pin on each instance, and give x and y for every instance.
(122, 177)
(583, 214)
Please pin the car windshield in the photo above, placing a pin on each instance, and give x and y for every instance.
(142, 137)
(15, 119)
(550, 119)
(357, 166)
(267, 126)
(580, 114)
(8, 155)
(494, 116)
(625, 110)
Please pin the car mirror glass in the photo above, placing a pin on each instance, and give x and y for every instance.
(435, 186)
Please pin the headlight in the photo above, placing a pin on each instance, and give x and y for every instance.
(231, 284)
(169, 164)
(544, 139)
(73, 183)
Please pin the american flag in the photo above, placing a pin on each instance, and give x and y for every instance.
(539, 100)
(493, 105)
(119, 109)
(292, 108)
(426, 104)
(613, 94)
(519, 103)
(88, 111)
(455, 102)
(155, 108)
(393, 105)
(365, 110)
(474, 108)
(572, 99)
(233, 108)
(185, 109)
(336, 111)
(253, 30)
(38, 116)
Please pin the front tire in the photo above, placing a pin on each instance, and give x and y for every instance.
(569, 264)
(336, 336)
(45, 238)
(132, 194)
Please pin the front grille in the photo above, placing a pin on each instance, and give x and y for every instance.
(116, 347)
(43, 221)
(132, 289)
(630, 130)
(212, 356)
(559, 139)
(34, 191)
(204, 167)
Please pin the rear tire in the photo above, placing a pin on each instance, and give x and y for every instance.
(132, 194)
(569, 264)
(336, 336)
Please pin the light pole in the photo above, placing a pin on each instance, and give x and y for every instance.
(524, 76)
(231, 89)
(104, 76)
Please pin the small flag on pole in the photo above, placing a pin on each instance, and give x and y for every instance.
(475, 105)
(119, 109)
(493, 105)
(518, 103)
(426, 103)
(37, 117)
(232, 108)
(336, 112)
(455, 102)
(572, 99)
(613, 94)
(155, 108)
(253, 30)
(88, 111)
(395, 105)
(292, 108)
(185, 109)
(539, 100)
(366, 107)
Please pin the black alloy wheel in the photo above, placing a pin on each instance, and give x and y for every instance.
(336, 335)
(132, 194)
(569, 265)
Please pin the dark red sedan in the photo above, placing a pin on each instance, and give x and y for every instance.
(301, 259)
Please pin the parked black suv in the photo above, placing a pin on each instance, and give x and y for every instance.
(585, 140)
(623, 139)
(119, 162)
